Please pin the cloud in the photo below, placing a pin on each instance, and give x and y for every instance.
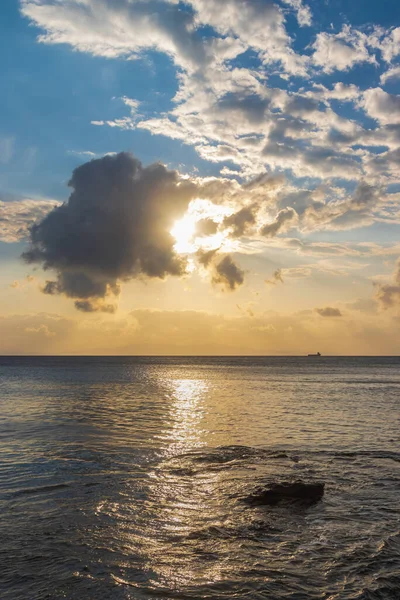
(388, 295)
(339, 91)
(239, 116)
(85, 153)
(225, 272)
(41, 330)
(206, 227)
(205, 258)
(240, 221)
(41, 333)
(283, 220)
(381, 106)
(126, 123)
(125, 29)
(384, 165)
(229, 113)
(390, 45)
(259, 25)
(341, 51)
(114, 227)
(190, 332)
(304, 15)
(90, 306)
(276, 278)
(297, 272)
(392, 73)
(308, 248)
(355, 211)
(328, 311)
(292, 145)
(16, 217)
(119, 29)
(19, 285)
(228, 274)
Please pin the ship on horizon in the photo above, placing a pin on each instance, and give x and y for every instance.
(317, 354)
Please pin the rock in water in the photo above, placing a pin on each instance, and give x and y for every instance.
(299, 492)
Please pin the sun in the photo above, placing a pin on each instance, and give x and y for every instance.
(184, 232)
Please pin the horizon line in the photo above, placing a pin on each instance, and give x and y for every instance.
(198, 356)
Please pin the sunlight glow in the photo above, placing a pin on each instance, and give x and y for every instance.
(184, 230)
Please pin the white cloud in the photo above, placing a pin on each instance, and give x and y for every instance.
(339, 91)
(132, 103)
(84, 153)
(304, 15)
(381, 106)
(111, 29)
(390, 45)
(260, 26)
(107, 28)
(341, 51)
(392, 73)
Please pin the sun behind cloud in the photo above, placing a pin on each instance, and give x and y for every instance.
(190, 233)
(184, 231)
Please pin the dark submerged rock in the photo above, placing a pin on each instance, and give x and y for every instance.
(298, 491)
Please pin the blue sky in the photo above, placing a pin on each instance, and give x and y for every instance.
(284, 115)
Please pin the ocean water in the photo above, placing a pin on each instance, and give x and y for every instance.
(123, 478)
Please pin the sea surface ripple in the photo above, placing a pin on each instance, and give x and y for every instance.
(123, 478)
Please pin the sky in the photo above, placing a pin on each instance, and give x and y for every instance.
(200, 177)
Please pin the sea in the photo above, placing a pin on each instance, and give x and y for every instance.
(124, 478)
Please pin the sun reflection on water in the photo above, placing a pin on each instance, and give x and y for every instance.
(186, 500)
(187, 411)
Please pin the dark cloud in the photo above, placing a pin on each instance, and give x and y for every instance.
(265, 181)
(355, 211)
(251, 107)
(77, 284)
(115, 226)
(206, 227)
(287, 128)
(328, 311)
(276, 278)
(338, 137)
(228, 274)
(241, 220)
(365, 195)
(284, 216)
(90, 306)
(206, 257)
(388, 295)
(321, 162)
(225, 272)
(300, 106)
